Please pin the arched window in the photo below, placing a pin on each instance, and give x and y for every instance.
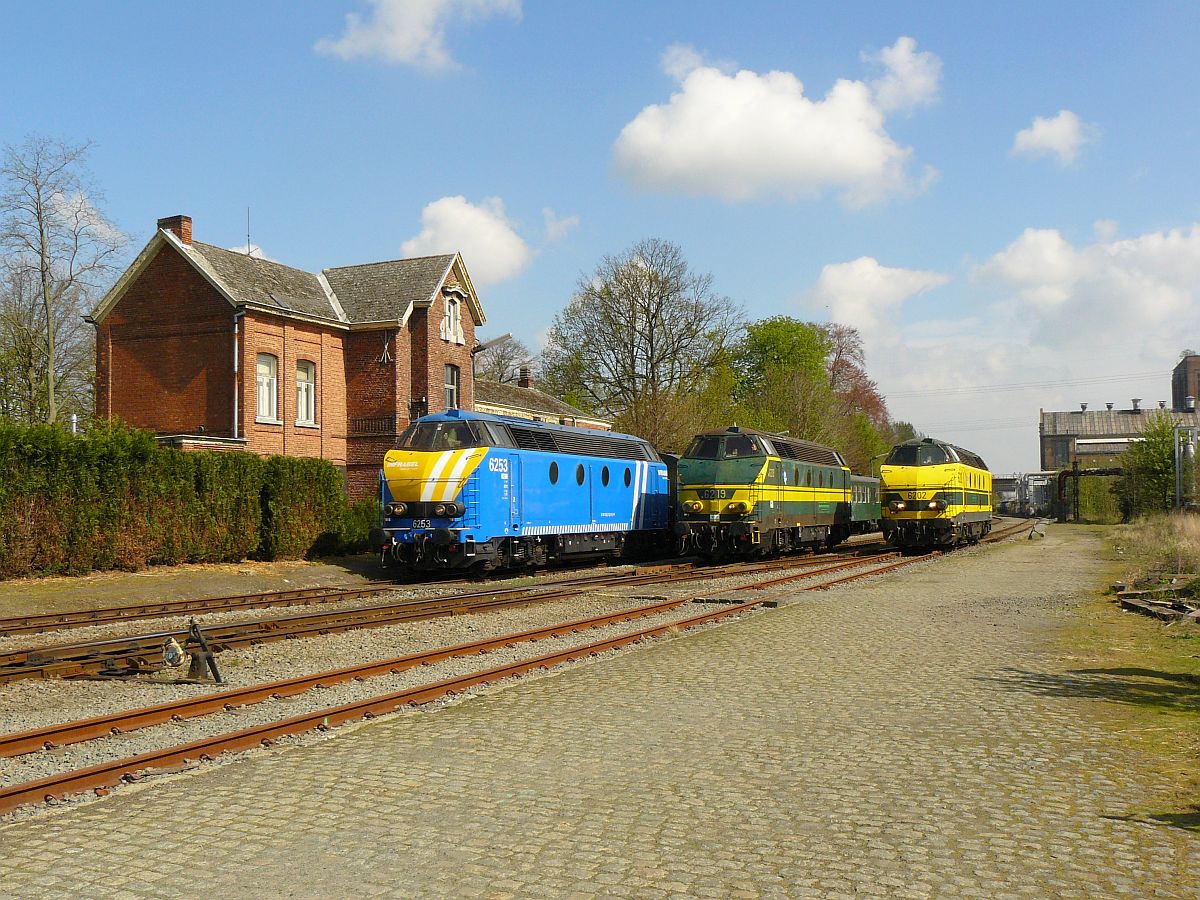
(306, 393)
(452, 329)
(268, 388)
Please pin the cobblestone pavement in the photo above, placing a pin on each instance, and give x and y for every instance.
(914, 737)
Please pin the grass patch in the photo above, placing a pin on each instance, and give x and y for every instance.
(1148, 670)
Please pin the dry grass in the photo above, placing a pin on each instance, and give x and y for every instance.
(1159, 545)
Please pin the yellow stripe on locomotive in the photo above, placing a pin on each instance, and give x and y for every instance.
(743, 492)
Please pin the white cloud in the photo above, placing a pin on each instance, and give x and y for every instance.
(558, 227)
(490, 246)
(867, 295)
(1111, 292)
(743, 135)
(1060, 137)
(412, 32)
(78, 214)
(1031, 323)
(912, 79)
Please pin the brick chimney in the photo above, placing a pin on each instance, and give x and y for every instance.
(526, 379)
(180, 226)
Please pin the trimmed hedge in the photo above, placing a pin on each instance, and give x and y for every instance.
(113, 498)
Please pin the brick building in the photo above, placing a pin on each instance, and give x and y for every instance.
(217, 349)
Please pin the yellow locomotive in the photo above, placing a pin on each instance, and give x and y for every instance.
(935, 495)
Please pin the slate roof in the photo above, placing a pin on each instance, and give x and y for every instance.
(531, 400)
(265, 283)
(1106, 422)
(382, 291)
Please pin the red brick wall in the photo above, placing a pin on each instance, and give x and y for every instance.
(164, 353)
(289, 342)
(377, 394)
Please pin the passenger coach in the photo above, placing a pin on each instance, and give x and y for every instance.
(466, 490)
(935, 495)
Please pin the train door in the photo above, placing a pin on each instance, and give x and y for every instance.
(506, 469)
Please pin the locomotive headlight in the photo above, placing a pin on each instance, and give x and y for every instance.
(692, 506)
(736, 507)
(439, 510)
(395, 509)
(897, 506)
(937, 505)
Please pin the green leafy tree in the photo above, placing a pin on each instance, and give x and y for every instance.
(1148, 482)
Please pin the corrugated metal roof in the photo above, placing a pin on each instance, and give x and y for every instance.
(1107, 422)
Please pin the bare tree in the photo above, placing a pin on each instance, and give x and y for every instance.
(58, 245)
(641, 331)
(502, 361)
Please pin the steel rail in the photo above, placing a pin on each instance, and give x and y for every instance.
(137, 652)
(105, 775)
(59, 735)
(43, 622)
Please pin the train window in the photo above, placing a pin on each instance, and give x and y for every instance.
(737, 445)
(604, 476)
(931, 455)
(808, 477)
(579, 474)
(702, 447)
(628, 479)
(554, 473)
(440, 436)
(795, 474)
(820, 479)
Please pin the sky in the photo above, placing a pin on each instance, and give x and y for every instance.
(1002, 197)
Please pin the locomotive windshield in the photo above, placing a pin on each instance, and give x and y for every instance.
(731, 446)
(441, 436)
(916, 455)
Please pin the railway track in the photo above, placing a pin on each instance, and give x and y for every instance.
(130, 655)
(102, 776)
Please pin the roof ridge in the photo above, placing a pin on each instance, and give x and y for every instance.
(255, 259)
(384, 262)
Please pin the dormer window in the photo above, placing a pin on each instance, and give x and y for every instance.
(452, 320)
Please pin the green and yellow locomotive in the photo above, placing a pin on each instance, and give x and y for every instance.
(935, 495)
(743, 492)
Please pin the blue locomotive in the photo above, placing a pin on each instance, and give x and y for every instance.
(477, 492)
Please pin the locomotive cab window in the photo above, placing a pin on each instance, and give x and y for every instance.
(441, 436)
(704, 448)
(738, 445)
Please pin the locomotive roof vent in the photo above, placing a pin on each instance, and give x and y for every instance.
(1189, 404)
(1083, 407)
(1162, 404)
(1137, 404)
(1108, 406)
(733, 428)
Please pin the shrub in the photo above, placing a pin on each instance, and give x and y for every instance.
(115, 498)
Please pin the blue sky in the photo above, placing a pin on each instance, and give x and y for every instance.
(1001, 197)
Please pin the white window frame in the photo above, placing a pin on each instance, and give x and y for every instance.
(452, 329)
(452, 378)
(267, 397)
(306, 392)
